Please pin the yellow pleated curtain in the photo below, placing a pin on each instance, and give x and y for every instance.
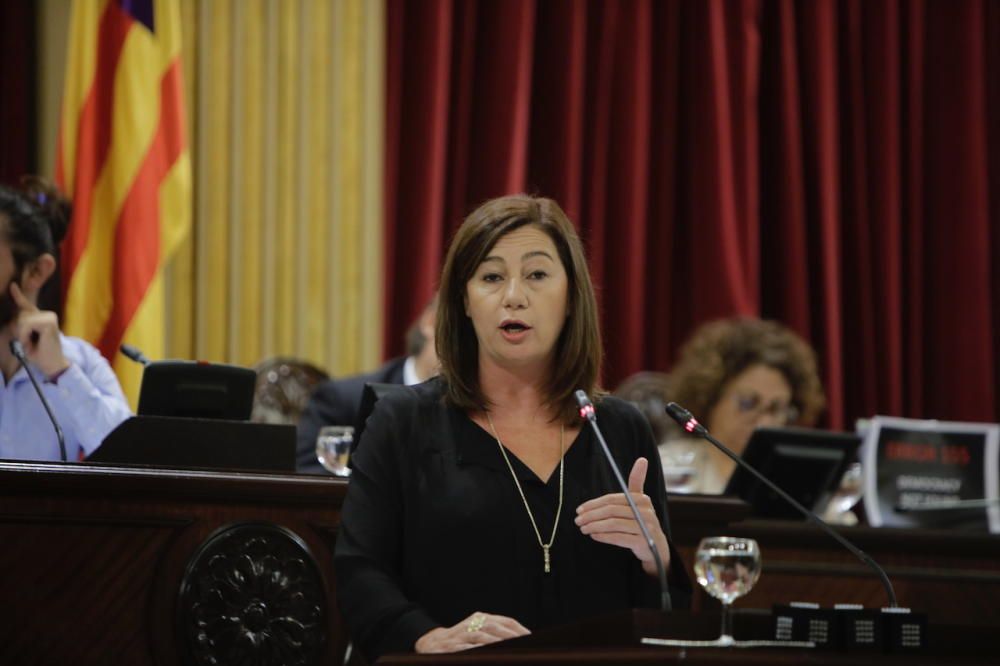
(285, 124)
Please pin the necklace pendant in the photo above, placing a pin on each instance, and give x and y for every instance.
(548, 563)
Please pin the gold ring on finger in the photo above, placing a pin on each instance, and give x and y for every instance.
(476, 623)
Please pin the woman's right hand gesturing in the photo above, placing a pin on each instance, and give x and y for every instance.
(475, 630)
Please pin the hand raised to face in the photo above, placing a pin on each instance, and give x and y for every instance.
(38, 332)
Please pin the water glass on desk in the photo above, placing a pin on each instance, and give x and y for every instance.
(333, 448)
(680, 462)
(727, 567)
(847, 494)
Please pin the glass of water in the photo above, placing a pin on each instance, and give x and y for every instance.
(333, 448)
(848, 494)
(680, 462)
(727, 567)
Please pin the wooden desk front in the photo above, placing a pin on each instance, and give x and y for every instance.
(93, 558)
(952, 576)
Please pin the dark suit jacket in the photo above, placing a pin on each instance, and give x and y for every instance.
(336, 402)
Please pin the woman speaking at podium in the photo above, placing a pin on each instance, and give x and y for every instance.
(479, 509)
(78, 383)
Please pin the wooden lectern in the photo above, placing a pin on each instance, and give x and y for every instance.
(616, 639)
(104, 564)
(111, 564)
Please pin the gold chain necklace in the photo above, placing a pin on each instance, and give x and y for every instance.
(555, 524)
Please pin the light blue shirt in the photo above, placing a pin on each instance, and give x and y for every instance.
(86, 399)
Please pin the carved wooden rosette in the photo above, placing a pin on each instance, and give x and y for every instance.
(252, 594)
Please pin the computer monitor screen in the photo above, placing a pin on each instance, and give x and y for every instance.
(197, 390)
(807, 464)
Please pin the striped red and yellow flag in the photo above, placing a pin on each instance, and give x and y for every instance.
(124, 162)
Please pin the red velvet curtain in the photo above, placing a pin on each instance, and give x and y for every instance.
(831, 164)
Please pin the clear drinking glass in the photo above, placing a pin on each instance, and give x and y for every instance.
(727, 567)
(680, 462)
(333, 448)
(849, 491)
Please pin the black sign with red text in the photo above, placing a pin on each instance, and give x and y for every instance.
(931, 474)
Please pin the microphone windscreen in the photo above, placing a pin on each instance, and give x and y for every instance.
(134, 354)
(678, 413)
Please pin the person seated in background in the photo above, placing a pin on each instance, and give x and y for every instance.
(480, 507)
(338, 401)
(648, 390)
(80, 386)
(735, 375)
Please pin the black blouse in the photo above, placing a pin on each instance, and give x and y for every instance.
(433, 528)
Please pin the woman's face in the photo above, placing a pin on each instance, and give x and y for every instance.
(760, 396)
(517, 300)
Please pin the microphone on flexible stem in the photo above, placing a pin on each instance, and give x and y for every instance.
(18, 351)
(691, 425)
(587, 412)
(134, 354)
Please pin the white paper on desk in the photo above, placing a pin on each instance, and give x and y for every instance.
(914, 461)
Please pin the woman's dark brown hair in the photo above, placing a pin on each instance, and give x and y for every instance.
(721, 350)
(577, 362)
